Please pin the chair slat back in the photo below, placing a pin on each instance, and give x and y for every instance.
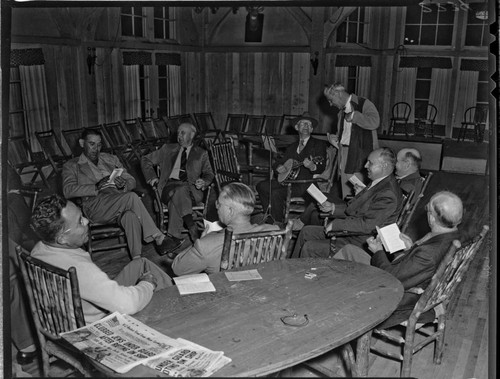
(288, 122)
(183, 118)
(413, 202)
(449, 274)
(133, 129)
(254, 124)
(19, 151)
(115, 134)
(245, 249)
(204, 121)
(431, 113)
(149, 130)
(53, 295)
(401, 110)
(161, 128)
(72, 137)
(235, 122)
(51, 145)
(273, 125)
(224, 162)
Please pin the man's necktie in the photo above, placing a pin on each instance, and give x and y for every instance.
(301, 145)
(182, 171)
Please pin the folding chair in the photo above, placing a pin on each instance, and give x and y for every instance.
(54, 298)
(25, 162)
(209, 133)
(52, 148)
(235, 124)
(435, 297)
(120, 144)
(135, 135)
(155, 136)
(273, 125)
(412, 203)
(72, 138)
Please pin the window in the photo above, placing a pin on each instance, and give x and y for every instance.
(483, 88)
(161, 22)
(17, 115)
(144, 90)
(132, 21)
(352, 74)
(430, 24)
(162, 90)
(477, 33)
(354, 28)
(422, 91)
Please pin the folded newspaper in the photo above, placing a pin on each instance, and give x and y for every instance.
(121, 342)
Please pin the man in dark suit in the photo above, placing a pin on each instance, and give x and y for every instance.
(378, 204)
(185, 172)
(408, 171)
(303, 151)
(87, 177)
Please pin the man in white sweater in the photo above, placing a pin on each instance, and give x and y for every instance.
(63, 231)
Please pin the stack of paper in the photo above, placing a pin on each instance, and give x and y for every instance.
(195, 283)
(316, 194)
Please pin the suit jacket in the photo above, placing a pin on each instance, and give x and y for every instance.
(315, 147)
(377, 206)
(79, 179)
(414, 268)
(410, 183)
(197, 164)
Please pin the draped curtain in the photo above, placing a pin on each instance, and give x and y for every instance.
(467, 94)
(405, 88)
(363, 82)
(174, 90)
(132, 91)
(440, 92)
(35, 101)
(341, 75)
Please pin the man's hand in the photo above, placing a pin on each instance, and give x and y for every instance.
(357, 189)
(374, 244)
(153, 182)
(406, 240)
(102, 183)
(280, 169)
(333, 139)
(327, 207)
(349, 116)
(200, 184)
(329, 227)
(148, 277)
(120, 182)
(309, 164)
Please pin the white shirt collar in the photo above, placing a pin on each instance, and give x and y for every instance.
(378, 180)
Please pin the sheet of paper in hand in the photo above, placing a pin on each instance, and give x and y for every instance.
(389, 235)
(116, 172)
(355, 180)
(316, 194)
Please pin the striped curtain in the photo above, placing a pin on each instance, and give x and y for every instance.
(405, 88)
(340, 75)
(363, 84)
(35, 101)
(440, 92)
(132, 91)
(467, 94)
(174, 90)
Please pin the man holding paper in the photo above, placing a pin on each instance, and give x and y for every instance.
(104, 201)
(378, 204)
(234, 207)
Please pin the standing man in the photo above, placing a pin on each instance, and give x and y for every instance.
(63, 231)
(408, 171)
(185, 172)
(87, 178)
(301, 152)
(356, 132)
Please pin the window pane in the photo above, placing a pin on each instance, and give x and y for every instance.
(444, 35)
(159, 29)
(162, 71)
(352, 33)
(420, 108)
(413, 14)
(341, 33)
(163, 107)
(126, 26)
(422, 89)
(424, 73)
(484, 76)
(473, 35)
(411, 35)
(138, 26)
(138, 11)
(361, 33)
(448, 16)
(162, 88)
(127, 10)
(430, 17)
(482, 92)
(158, 12)
(428, 35)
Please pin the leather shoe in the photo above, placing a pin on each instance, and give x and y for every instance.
(169, 244)
(25, 358)
(193, 232)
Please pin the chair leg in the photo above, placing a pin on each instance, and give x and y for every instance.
(362, 352)
(348, 357)
(439, 347)
(408, 349)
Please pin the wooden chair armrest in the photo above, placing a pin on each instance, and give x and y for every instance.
(343, 233)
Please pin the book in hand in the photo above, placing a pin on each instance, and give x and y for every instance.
(116, 172)
(355, 180)
(389, 236)
(316, 194)
(196, 283)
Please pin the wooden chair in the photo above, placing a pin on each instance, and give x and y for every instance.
(224, 163)
(273, 125)
(135, 135)
(435, 297)
(120, 144)
(400, 115)
(425, 124)
(24, 161)
(156, 134)
(412, 203)
(205, 122)
(474, 117)
(52, 148)
(235, 124)
(54, 298)
(72, 138)
(245, 249)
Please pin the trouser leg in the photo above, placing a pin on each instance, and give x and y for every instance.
(308, 233)
(179, 199)
(129, 275)
(353, 253)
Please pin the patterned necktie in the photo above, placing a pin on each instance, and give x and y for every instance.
(182, 171)
(301, 145)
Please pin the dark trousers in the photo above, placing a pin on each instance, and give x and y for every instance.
(278, 193)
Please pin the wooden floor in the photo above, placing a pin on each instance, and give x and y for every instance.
(467, 335)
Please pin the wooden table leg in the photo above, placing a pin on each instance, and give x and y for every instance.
(362, 352)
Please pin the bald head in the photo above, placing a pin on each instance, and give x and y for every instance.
(408, 162)
(447, 209)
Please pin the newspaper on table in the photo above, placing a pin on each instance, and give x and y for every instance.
(121, 342)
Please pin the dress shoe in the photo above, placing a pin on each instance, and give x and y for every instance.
(25, 358)
(169, 244)
(194, 233)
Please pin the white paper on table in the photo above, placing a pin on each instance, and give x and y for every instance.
(316, 194)
(355, 180)
(235, 276)
(116, 172)
(389, 235)
(196, 283)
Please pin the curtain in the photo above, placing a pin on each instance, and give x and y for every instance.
(132, 91)
(467, 94)
(35, 101)
(363, 82)
(174, 90)
(340, 75)
(405, 88)
(440, 93)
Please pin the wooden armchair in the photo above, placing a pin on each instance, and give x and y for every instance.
(245, 249)
(412, 203)
(400, 116)
(436, 296)
(55, 303)
(224, 163)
